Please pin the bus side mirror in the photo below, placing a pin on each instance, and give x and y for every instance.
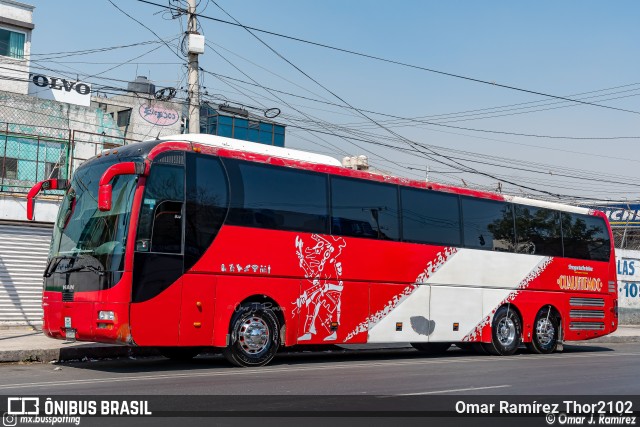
(105, 189)
(47, 184)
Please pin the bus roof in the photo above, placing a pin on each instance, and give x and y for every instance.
(320, 159)
(254, 147)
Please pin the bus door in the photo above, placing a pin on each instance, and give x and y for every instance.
(159, 255)
(205, 210)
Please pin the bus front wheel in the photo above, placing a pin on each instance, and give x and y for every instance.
(254, 336)
(506, 332)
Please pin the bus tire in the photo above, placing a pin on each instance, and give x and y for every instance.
(254, 336)
(431, 347)
(546, 329)
(506, 332)
(180, 354)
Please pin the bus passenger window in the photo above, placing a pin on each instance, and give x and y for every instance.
(585, 237)
(538, 231)
(364, 209)
(430, 217)
(268, 196)
(488, 225)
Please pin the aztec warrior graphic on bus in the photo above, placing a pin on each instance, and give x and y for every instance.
(200, 241)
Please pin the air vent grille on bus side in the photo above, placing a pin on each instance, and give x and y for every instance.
(67, 296)
(586, 314)
(171, 159)
(590, 302)
(586, 326)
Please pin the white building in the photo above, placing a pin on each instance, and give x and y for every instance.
(16, 25)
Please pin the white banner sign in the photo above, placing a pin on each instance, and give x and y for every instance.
(628, 265)
(60, 89)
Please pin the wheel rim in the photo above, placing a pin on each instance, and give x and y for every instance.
(506, 331)
(254, 335)
(545, 332)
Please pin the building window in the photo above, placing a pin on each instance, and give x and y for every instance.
(253, 131)
(225, 126)
(266, 133)
(240, 129)
(51, 171)
(124, 118)
(10, 170)
(11, 44)
(278, 136)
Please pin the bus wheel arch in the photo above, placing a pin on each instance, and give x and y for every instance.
(546, 330)
(506, 331)
(255, 331)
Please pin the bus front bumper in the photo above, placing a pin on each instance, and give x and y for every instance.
(87, 321)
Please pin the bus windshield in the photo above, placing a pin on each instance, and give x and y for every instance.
(93, 239)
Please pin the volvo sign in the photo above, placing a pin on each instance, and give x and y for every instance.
(60, 89)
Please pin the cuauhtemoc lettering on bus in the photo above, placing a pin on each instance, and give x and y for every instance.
(196, 241)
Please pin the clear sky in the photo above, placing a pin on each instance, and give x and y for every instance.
(559, 48)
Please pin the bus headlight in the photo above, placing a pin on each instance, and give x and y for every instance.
(106, 315)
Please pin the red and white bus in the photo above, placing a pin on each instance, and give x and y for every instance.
(199, 241)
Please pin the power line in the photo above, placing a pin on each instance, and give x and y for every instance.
(143, 25)
(406, 140)
(224, 99)
(94, 50)
(415, 120)
(542, 167)
(391, 61)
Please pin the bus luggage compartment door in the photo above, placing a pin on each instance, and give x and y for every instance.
(456, 312)
(196, 313)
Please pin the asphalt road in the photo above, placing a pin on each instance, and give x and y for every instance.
(604, 369)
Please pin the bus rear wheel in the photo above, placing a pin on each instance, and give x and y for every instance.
(506, 332)
(254, 336)
(545, 332)
(431, 347)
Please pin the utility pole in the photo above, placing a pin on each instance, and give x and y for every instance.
(196, 47)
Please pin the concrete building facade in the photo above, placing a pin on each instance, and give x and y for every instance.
(16, 26)
(139, 115)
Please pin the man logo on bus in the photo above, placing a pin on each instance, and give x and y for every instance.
(321, 300)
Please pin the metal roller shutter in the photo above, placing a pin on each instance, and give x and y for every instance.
(23, 258)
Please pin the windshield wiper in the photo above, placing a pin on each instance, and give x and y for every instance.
(84, 267)
(51, 266)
